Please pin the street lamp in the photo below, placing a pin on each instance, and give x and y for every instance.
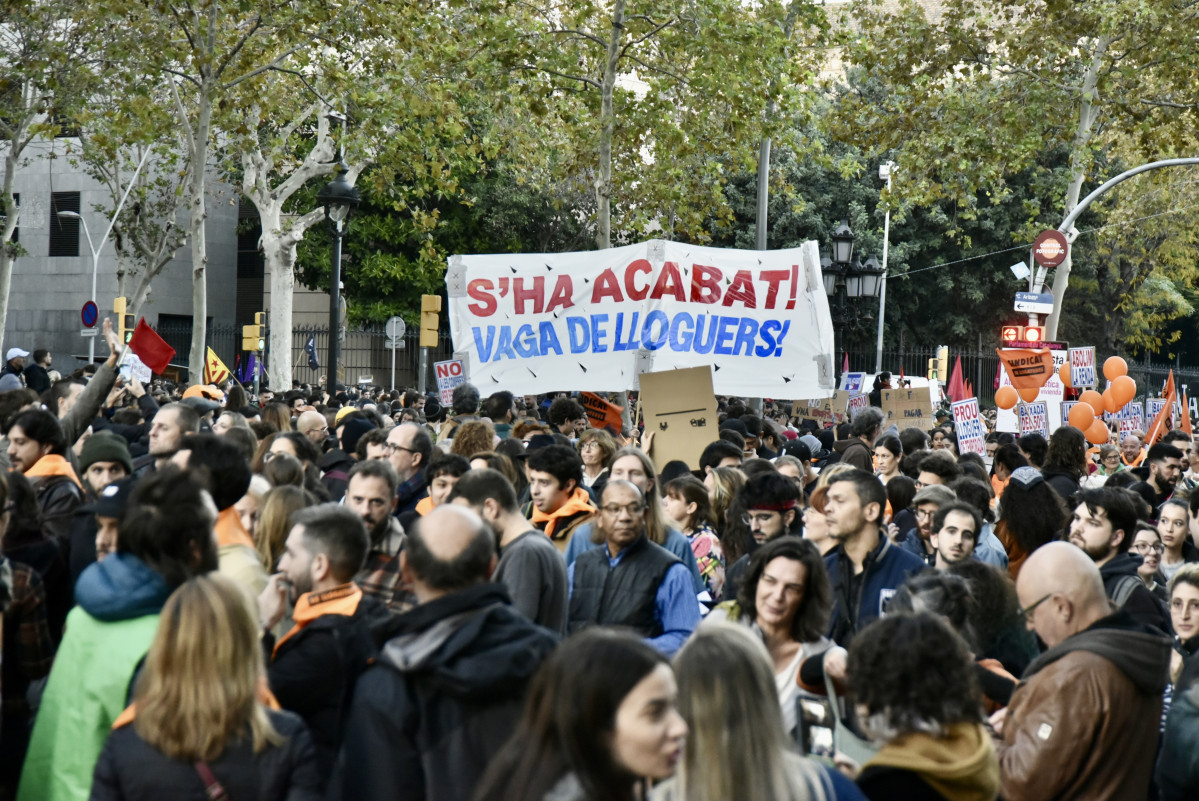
(846, 278)
(74, 215)
(338, 198)
(843, 239)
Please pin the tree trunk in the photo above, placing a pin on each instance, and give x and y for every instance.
(280, 257)
(603, 182)
(197, 200)
(1087, 113)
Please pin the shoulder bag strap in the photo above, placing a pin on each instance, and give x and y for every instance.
(212, 786)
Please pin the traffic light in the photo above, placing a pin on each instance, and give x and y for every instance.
(430, 308)
(125, 322)
(1022, 333)
(253, 336)
(943, 363)
(1009, 333)
(1034, 333)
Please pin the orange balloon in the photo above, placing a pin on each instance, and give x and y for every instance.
(1123, 389)
(1081, 416)
(1098, 433)
(1029, 394)
(1006, 397)
(1109, 401)
(1063, 373)
(1094, 400)
(1114, 367)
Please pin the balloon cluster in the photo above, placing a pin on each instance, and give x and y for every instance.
(1087, 414)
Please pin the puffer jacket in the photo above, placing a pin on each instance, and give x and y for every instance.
(444, 695)
(1083, 724)
(129, 769)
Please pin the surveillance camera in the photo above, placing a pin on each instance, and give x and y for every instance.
(1020, 270)
(884, 170)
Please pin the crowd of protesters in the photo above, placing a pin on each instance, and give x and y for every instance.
(371, 595)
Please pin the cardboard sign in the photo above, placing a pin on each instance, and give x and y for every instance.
(857, 403)
(600, 412)
(1082, 368)
(852, 382)
(131, 366)
(680, 408)
(450, 375)
(909, 407)
(972, 435)
(1034, 419)
(825, 411)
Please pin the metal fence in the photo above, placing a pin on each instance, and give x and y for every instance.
(363, 354)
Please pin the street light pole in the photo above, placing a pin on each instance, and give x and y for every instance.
(339, 199)
(884, 171)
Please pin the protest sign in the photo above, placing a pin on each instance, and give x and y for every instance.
(972, 435)
(1052, 392)
(450, 374)
(1130, 418)
(1082, 368)
(825, 411)
(852, 382)
(1034, 419)
(595, 320)
(857, 403)
(909, 407)
(600, 412)
(680, 409)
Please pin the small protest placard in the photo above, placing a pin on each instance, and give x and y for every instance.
(972, 435)
(1082, 368)
(1034, 418)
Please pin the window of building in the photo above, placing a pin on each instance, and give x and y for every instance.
(64, 231)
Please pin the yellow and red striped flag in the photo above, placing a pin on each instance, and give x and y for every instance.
(215, 370)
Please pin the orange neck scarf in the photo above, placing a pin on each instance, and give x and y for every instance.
(341, 600)
(230, 531)
(54, 465)
(579, 501)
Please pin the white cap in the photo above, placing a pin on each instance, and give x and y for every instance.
(14, 353)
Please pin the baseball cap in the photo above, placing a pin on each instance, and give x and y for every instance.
(1027, 477)
(15, 353)
(799, 449)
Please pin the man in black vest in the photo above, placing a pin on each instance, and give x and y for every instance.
(632, 582)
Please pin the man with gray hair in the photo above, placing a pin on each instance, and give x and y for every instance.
(858, 450)
(449, 684)
(631, 581)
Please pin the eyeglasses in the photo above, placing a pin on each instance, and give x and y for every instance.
(391, 447)
(1146, 547)
(925, 514)
(633, 509)
(761, 518)
(1027, 611)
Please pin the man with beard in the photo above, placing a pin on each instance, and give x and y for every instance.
(926, 504)
(955, 533)
(1103, 526)
(530, 566)
(314, 666)
(371, 494)
(1165, 466)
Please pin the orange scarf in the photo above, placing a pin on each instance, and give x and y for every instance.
(1134, 463)
(230, 531)
(341, 600)
(424, 506)
(579, 501)
(263, 691)
(53, 465)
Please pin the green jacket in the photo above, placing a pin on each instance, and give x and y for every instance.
(87, 690)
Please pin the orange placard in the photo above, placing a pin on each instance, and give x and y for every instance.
(600, 412)
(1028, 369)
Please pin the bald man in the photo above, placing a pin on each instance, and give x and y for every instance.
(1083, 723)
(315, 427)
(448, 687)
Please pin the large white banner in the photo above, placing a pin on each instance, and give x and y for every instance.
(532, 323)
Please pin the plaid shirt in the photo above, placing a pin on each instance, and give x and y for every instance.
(380, 576)
(28, 647)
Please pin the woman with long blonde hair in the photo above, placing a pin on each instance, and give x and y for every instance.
(736, 746)
(201, 719)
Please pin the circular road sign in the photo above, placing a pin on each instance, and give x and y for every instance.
(395, 328)
(1050, 248)
(89, 314)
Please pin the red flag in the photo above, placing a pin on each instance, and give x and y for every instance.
(901, 378)
(956, 390)
(1161, 423)
(150, 347)
(998, 373)
(845, 368)
(1186, 414)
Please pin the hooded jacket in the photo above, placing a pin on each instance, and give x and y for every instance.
(1119, 574)
(1083, 724)
(445, 694)
(856, 452)
(107, 635)
(1178, 766)
(961, 766)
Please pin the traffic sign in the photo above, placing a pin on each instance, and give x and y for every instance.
(393, 344)
(1020, 344)
(395, 328)
(1034, 302)
(89, 314)
(1050, 248)
(88, 332)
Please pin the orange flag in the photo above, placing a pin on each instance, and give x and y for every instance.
(1028, 369)
(600, 412)
(1161, 423)
(1186, 415)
